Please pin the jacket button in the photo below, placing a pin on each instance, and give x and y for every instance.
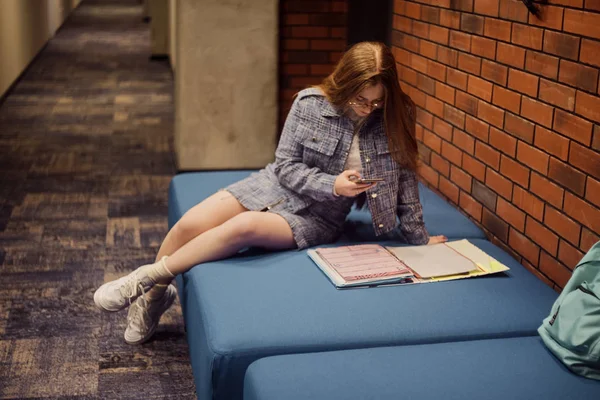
(367, 159)
(374, 195)
(314, 139)
(381, 225)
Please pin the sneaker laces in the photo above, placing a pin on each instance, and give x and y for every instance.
(131, 287)
(140, 311)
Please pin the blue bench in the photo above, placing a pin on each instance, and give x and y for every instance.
(260, 304)
(497, 369)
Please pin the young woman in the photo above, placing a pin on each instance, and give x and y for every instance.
(357, 124)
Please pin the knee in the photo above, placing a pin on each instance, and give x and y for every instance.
(245, 227)
(186, 229)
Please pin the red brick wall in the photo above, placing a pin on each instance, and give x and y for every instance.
(509, 119)
(313, 37)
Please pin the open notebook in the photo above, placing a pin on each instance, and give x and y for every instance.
(373, 264)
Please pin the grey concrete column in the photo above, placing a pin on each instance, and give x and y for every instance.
(226, 83)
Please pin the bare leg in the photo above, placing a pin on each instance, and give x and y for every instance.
(211, 212)
(249, 228)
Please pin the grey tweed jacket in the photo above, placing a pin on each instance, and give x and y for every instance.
(312, 152)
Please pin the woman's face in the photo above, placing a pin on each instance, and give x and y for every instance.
(367, 100)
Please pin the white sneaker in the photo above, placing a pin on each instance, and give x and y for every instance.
(144, 315)
(120, 293)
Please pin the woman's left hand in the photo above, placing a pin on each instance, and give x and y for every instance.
(437, 239)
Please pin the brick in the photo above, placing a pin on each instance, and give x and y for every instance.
(444, 92)
(306, 6)
(430, 14)
(528, 203)
(471, 23)
(440, 165)
(295, 19)
(402, 24)
(554, 270)
(527, 36)
(418, 63)
(510, 214)
(447, 56)
(436, 70)
(543, 236)
(510, 55)
(443, 129)
(567, 176)
(339, 33)
(480, 88)
(309, 31)
(402, 56)
(464, 141)
(420, 29)
(499, 184)
(462, 5)
(321, 69)
(519, 127)
(523, 82)
(449, 189)
(473, 167)
(483, 47)
(559, 44)
(457, 79)
(552, 17)
(487, 7)
(582, 23)
(307, 57)
(550, 192)
(514, 171)
(424, 118)
(471, 206)
(541, 64)
(434, 106)
(428, 49)
(408, 75)
(460, 40)
(533, 158)
(592, 191)
(557, 94)
(588, 106)
(494, 72)
(335, 56)
(439, 34)
(563, 225)
(450, 19)
(570, 3)
(523, 246)
(329, 19)
(418, 97)
(507, 99)
(454, 116)
(503, 142)
(585, 159)
(477, 128)
(497, 29)
(419, 133)
(452, 153)
(300, 82)
(592, 5)
(537, 111)
(590, 52)
(588, 239)
(549, 141)
(469, 63)
(426, 84)
(596, 139)
(572, 126)
(490, 114)
(495, 225)
(460, 178)
(296, 69)
(429, 174)
(484, 195)
(513, 10)
(412, 10)
(487, 154)
(578, 75)
(569, 255)
(295, 44)
(339, 7)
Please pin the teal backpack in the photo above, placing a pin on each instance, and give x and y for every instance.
(572, 330)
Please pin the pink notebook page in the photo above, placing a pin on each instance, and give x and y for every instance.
(364, 261)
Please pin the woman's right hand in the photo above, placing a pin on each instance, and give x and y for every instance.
(345, 187)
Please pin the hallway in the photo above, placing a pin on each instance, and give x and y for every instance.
(85, 163)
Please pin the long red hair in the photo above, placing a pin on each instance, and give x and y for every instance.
(369, 63)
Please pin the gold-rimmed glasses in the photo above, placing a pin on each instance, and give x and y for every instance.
(365, 105)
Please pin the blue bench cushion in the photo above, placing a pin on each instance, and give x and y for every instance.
(255, 305)
(440, 217)
(499, 369)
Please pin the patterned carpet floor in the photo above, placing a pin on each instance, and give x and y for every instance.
(86, 156)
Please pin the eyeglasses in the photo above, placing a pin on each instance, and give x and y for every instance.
(363, 104)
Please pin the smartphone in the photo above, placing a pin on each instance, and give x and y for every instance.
(356, 179)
